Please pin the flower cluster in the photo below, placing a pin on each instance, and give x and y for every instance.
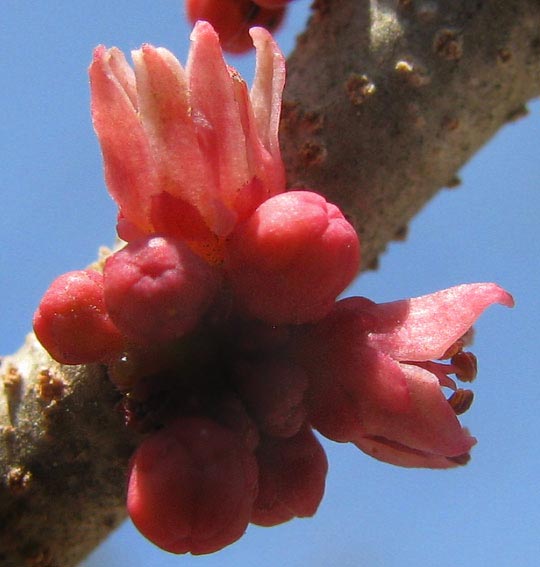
(232, 19)
(218, 319)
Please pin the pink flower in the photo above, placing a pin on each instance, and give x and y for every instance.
(373, 381)
(188, 152)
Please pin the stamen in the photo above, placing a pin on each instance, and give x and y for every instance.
(461, 400)
(466, 366)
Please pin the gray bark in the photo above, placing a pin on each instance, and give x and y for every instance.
(63, 457)
(386, 100)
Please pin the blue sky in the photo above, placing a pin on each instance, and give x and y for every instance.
(56, 212)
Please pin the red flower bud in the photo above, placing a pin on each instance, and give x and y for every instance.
(292, 475)
(290, 260)
(273, 392)
(192, 487)
(156, 289)
(71, 321)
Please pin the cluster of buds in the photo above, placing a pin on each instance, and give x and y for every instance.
(219, 322)
(232, 19)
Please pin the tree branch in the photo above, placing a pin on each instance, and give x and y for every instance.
(63, 458)
(385, 101)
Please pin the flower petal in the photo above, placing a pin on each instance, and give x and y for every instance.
(381, 382)
(217, 121)
(266, 98)
(163, 93)
(130, 170)
(260, 162)
(429, 426)
(348, 379)
(424, 327)
(124, 74)
(401, 456)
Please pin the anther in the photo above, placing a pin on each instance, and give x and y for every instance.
(461, 400)
(466, 366)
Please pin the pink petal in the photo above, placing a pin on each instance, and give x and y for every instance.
(381, 382)
(165, 112)
(124, 74)
(217, 120)
(266, 96)
(424, 327)
(260, 162)
(402, 456)
(163, 94)
(130, 170)
(348, 379)
(429, 426)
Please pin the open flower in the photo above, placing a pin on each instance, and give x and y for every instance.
(188, 152)
(373, 381)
